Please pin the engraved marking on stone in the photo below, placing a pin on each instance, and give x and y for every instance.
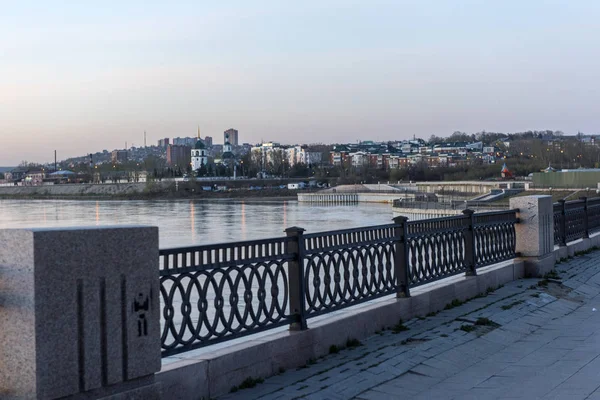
(141, 305)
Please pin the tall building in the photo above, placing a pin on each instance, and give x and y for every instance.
(233, 136)
(186, 141)
(208, 141)
(163, 143)
(119, 156)
(178, 155)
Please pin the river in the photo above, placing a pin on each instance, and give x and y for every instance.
(191, 222)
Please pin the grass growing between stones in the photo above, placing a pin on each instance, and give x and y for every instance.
(552, 275)
(588, 251)
(453, 304)
(511, 305)
(351, 343)
(399, 327)
(248, 383)
(486, 322)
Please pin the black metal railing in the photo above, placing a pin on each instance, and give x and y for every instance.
(214, 293)
(576, 219)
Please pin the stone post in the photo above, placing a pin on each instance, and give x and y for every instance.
(401, 262)
(535, 233)
(470, 243)
(296, 288)
(79, 313)
(586, 222)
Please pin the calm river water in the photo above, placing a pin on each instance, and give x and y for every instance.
(189, 222)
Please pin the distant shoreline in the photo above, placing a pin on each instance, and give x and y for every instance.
(259, 197)
(141, 191)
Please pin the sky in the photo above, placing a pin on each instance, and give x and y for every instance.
(84, 76)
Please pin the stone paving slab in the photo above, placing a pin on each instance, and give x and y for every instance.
(544, 343)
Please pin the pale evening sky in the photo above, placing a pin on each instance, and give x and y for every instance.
(85, 76)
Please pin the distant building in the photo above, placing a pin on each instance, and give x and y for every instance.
(208, 141)
(186, 141)
(178, 155)
(232, 134)
(119, 156)
(228, 158)
(163, 143)
(198, 155)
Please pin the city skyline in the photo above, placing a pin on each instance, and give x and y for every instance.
(80, 79)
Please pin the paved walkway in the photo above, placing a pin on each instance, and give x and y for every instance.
(522, 341)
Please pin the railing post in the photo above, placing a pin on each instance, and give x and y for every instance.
(563, 223)
(401, 264)
(296, 289)
(470, 243)
(586, 225)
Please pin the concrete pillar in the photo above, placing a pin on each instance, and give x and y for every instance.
(79, 313)
(535, 233)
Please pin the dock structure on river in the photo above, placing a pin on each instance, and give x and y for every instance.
(329, 198)
(353, 194)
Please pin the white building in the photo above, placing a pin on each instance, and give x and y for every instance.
(199, 156)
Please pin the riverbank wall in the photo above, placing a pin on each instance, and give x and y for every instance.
(139, 191)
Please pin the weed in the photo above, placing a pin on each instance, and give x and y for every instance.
(399, 327)
(467, 328)
(432, 314)
(511, 305)
(588, 251)
(453, 304)
(350, 343)
(444, 335)
(485, 322)
(333, 349)
(412, 340)
(535, 295)
(248, 383)
(552, 275)
(543, 283)
(281, 370)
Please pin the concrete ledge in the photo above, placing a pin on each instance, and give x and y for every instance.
(214, 373)
(576, 246)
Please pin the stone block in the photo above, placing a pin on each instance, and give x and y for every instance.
(537, 267)
(535, 232)
(443, 295)
(185, 379)
(83, 307)
(420, 304)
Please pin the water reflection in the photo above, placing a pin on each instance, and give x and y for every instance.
(184, 223)
(243, 221)
(193, 220)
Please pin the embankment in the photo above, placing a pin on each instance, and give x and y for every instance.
(136, 191)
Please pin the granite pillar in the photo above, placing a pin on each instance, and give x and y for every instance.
(535, 233)
(79, 313)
